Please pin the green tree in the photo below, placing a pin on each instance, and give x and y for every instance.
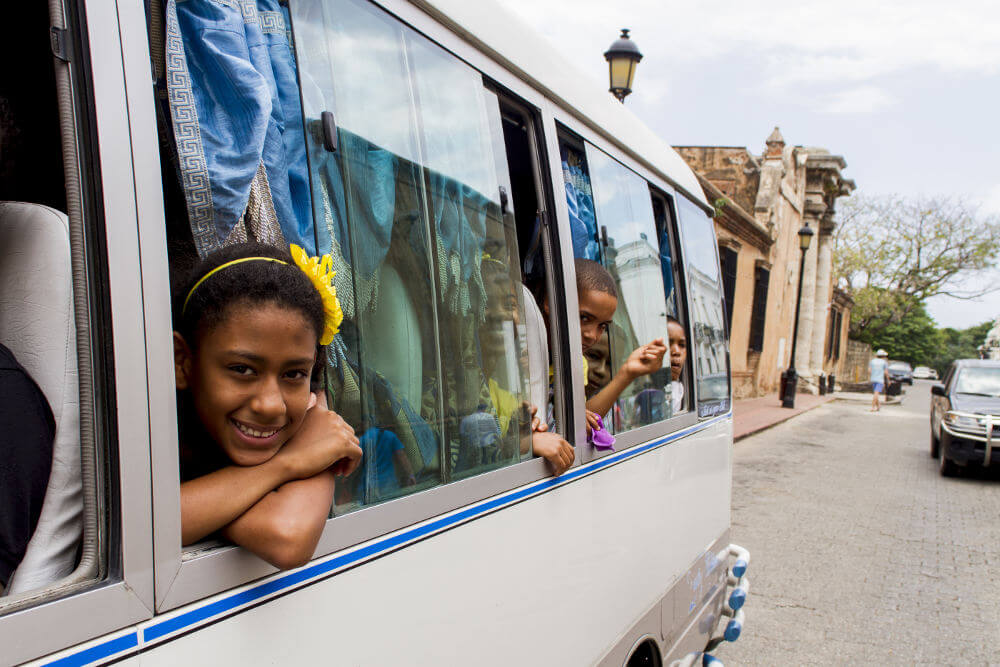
(959, 344)
(893, 253)
(913, 337)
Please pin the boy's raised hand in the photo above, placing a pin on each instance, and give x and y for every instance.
(646, 359)
(323, 441)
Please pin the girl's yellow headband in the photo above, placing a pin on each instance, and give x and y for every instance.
(320, 274)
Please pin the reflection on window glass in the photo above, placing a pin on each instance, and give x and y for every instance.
(711, 355)
(677, 335)
(984, 381)
(631, 254)
(429, 368)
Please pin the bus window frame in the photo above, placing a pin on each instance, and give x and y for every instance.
(124, 592)
(695, 375)
(674, 234)
(573, 129)
(187, 575)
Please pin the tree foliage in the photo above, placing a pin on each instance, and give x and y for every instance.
(913, 337)
(893, 253)
(958, 344)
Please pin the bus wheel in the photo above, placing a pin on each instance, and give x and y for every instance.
(645, 655)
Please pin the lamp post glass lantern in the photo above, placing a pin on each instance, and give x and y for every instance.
(622, 57)
(790, 378)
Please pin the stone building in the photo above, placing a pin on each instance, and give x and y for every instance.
(762, 201)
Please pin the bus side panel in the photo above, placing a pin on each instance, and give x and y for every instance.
(556, 579)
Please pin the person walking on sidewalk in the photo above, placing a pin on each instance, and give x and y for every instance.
(879, 376)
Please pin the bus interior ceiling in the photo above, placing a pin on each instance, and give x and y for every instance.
(31, 166)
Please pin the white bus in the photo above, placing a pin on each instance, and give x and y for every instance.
(434, 148)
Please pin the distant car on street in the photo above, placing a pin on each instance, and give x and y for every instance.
(924, 373)
(965, 415)
(900, 371)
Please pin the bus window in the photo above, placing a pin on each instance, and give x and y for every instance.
(631, 253)
(678, 334)
(41, 498)
(413, 205)
(709, 346)
(56, 404)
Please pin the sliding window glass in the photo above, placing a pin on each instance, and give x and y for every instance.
(406, 166)
(710, 349)
(612, 221)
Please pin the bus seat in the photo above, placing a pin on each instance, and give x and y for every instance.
(392, 345)
(37, 324)
(538, 352)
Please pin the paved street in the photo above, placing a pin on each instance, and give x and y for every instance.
(862, 553)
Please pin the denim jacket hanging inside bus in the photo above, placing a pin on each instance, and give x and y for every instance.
(237, 123)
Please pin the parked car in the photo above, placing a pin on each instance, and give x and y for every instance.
(924, 373)
(965, 415)
(900, 371)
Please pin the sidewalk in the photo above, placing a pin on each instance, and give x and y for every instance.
(751, 415)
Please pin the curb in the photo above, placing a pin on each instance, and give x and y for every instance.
(781, 421)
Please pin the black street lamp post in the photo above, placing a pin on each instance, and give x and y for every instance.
(790, 378)
(622, 57)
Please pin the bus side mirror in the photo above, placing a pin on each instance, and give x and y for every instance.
(937, 389)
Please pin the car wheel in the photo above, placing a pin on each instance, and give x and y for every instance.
(945, 464)
(935, 444)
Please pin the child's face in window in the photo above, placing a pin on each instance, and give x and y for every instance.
(596, 312)
(678, 349)
(501, 307)
(249, 379)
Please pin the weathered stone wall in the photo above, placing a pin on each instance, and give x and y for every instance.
(734, 171)
(855, 368)
(762, 202)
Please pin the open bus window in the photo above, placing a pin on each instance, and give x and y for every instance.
(612, 220)
(709, 347)
(41, 480)
(393, 159)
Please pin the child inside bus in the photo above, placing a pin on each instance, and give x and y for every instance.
(598, 299)
(502, 307)
(259, 454)
(678, 358)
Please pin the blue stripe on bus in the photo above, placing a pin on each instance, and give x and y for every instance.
(195, 616)
(103, 650)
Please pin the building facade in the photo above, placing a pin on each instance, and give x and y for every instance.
(761, 203)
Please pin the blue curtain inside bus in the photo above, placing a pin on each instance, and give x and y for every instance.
(580, 199)
(237, 123)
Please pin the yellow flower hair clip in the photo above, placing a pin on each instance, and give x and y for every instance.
(320, 272)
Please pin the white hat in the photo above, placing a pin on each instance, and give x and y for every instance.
(881, 353)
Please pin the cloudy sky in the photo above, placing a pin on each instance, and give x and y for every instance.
(907, 91)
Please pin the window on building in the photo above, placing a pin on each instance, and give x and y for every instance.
(728, 259)
(838, 327)
(758, 316)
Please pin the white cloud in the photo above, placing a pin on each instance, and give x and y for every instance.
(835, 46)
(992, 202)
(863, 99)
